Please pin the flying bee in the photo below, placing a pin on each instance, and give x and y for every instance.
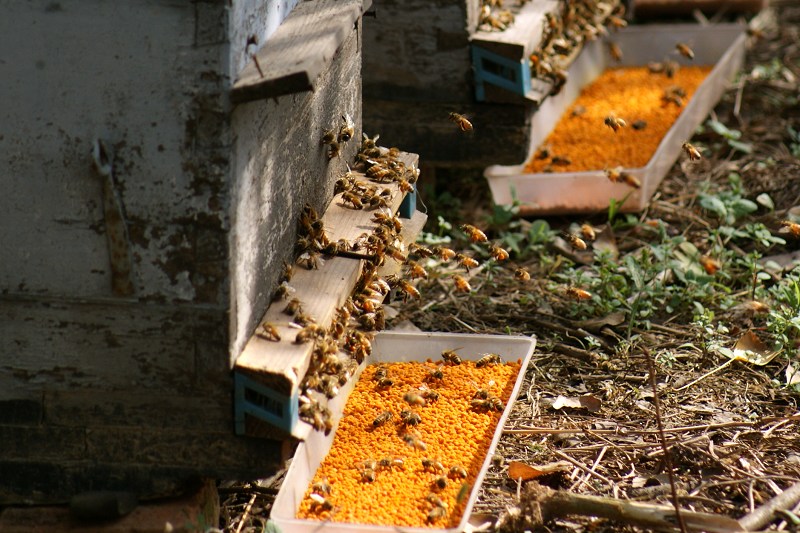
(521, 274)
(382, 418)
(451, 357)
(630, 180)
(467, 262)
(293, 307)
(588, 233)
(789, 226)
(436, 513)
(474, 234)
(616, 22)
(350, 198)
(408, 289)
(435, 500)
(410, 418)
(440, 483)
(416, 271)
(432, 465)
(578, 294)
(414, 441)
(671, 67)
(691, 151)
(443, 253)
(419, 250)
(414, 398)
(457, 472)
(709, 264)
(488, 359)
(322, 487)
(498, 253)
(461, 121)
(576, 242)
(461, 284)
(684, 50)
(319, 503)
(614, 123)
(347, 129)
(615, 51)
(267, 331)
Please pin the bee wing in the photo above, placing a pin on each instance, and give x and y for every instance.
(348, 121)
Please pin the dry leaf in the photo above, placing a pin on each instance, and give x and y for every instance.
(792, 375)
(606, 242)
(596, 324)
(519, 470)
(751, 349)
(587, 401)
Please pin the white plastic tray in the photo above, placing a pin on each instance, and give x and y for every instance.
(394, 347)
(721, 45)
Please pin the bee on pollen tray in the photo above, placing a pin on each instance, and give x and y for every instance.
(614, 123)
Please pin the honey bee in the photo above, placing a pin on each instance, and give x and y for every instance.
(639, 125)
(408, 289)
(615, 52)
(488, 359)
(328, 137)
(428, 394)
(319, 503)
(382, 418)
(436, 513)
(576, 242)
(755, 33)
(451, 357)
(293, 307)
(379, 173)
(322, 487)
(461, 284)
(404, 185)
(474, 234)
(388, 463)
(350, 198)
(416, 271)
(578, 294)
(466, 261)
(684, 50)
(670, 68)
(709, 264)
(691, 151)
(311, 260)
(385, 382)
(491, 403)
(380, 319)
(304, 319)
(435, 500)
(443, 253)
(630, 180)
(616, 22)
(333, 150)
(367, 474)
(410, 418)
(381, 372)
(561, 160)
(432, 465)
(461, 121)
(268, 332)
(395, 253)
(674, 94)
(342, 185)
(457, 472)
(544, 151)
(414, 441)
(414, 398)
(522, 274)
(614, 123)
(588, 233)
(435, 374)
(440, 483)
(419, 250)
(498, 253)
(789, 226)
(307, 334)
(347, 129)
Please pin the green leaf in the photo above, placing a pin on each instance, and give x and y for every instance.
(742, 206)
(713, 204)
(539, 232)
(764, 200)
(721, 129)
(745, 148)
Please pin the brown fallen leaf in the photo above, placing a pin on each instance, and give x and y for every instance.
(525, 472)
(596, 324)
(587, 401)
(751, 349)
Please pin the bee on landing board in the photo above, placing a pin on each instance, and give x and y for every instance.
(461, 121)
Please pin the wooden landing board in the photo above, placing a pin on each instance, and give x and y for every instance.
(281, 365)
(302, 48)
(523, 36)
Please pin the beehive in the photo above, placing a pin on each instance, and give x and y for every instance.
(149, 176)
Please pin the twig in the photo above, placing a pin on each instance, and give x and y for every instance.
(585, 478)
(651, 367)
(246, 513)
(583, 467)
(707, 374)
(762, 516)
(572, 351)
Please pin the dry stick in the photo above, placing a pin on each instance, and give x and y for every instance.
(584, 467)
(246, 513)
(704, 376)
(578, 484)
(651, 368)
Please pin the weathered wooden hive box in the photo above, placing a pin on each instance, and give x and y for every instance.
(424, 59)
(152, 175)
